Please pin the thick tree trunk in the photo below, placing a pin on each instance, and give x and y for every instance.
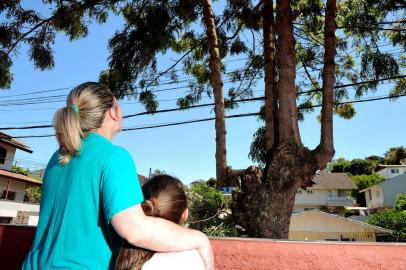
(264, 207)
(325, 151)
(221, 153)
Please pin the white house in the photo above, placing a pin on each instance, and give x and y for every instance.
(330, 190)
(13, 208)
(389, 171)
(315, 225)
(384, 194)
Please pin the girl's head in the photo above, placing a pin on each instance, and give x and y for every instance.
(88, 107)
(165, 198)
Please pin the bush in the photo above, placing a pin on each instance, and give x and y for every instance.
(393, 220)
(210, 211)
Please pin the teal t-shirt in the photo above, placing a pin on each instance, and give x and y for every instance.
(78, 201)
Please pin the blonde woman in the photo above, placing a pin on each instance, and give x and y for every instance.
(91, 198)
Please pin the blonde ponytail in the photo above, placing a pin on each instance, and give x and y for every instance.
(68, 133)
(85, 111)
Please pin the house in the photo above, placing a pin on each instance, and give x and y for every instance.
(13, 207)
(330, 192)
(389, 171)
(383, 195)
(316, 225)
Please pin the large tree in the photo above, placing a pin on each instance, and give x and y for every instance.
(294, 35)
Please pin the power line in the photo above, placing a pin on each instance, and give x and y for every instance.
(171, 81)
(230, 116)
(212, 104)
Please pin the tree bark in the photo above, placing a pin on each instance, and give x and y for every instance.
(288, 118)
(325, 150)
(271, 99)
(220, 125)
(264, 207)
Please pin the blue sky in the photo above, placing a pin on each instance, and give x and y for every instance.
(185, 151)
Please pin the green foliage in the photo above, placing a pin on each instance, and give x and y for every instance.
(258, 149)
(394, 155)
(364, 181)
(209, 210)
(33, 194)
(393, 220)
(400, 204)
(360, 166)
(354, 167)
(19, 170)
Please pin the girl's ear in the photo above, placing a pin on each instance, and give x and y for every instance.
(185, 215)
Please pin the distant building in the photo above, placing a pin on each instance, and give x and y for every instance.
(384, 194)
(389, 171)
(13, 208)
(329, 192)
(315, 225)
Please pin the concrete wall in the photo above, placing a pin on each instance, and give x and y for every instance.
(11, 151)
(387, 172)
(374, 197)
(11, 209)
(316, 198)
(249, 254)
(392, 188)
(16, 186)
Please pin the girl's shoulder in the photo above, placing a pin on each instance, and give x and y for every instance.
(183, 260)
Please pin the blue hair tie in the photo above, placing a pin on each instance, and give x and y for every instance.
(75, 108)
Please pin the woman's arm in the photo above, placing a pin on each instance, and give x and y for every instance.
(160, 234)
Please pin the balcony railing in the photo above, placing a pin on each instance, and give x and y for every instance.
(346, 199)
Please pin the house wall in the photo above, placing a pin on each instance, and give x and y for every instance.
(317, 226)
(333, 236)
(16, 186)
(392, 188)
(387, 173)
(316, 198)
(11, 151)
(374, 197)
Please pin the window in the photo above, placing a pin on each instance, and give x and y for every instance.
(5, 220)
(377, 194)
(309, 191)
(11, 195)
(3, 154)
(394, 170)
(309, 208)
(370, 194)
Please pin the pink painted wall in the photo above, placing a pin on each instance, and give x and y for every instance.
(260, 254)
(251, 254)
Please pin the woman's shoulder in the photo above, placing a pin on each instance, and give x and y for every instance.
(184, 260)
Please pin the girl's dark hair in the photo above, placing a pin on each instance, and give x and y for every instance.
(165, 198)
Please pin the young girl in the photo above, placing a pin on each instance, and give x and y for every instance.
(165, 198)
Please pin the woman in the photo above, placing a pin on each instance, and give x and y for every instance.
(91, 198)
(165, 198)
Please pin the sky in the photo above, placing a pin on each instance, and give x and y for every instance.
(186, 151)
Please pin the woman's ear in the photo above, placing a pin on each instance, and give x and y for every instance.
(185, 215)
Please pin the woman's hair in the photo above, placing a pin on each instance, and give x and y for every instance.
(85, 108)
(165, 198)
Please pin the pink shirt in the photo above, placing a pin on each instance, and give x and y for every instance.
(185, 260)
